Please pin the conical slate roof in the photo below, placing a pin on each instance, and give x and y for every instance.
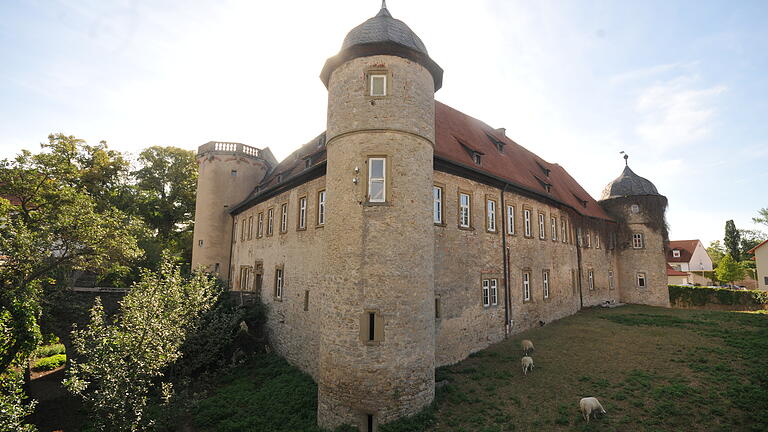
(383, 35)
(628, 184)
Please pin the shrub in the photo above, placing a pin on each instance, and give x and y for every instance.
(49, 363)
(49, 350)
(700, 296)
(13, 409)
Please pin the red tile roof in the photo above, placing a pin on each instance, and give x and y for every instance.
(686, 248)
(752, 251)
(457, 136)
(673, 272)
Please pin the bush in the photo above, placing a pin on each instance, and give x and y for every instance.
(700, 296)
(50, 363)
(13, 408)
(49, 350)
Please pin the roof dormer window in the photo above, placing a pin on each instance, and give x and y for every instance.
(279, 178)
(498, 143)
(476, 158)
(307, 163)
(676, 253)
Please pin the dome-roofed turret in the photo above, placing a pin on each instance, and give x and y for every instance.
(628, 184)
(383, 35)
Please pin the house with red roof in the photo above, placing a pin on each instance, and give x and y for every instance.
(688, 256)
(761, 261)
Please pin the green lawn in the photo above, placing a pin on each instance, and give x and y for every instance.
(653, 369)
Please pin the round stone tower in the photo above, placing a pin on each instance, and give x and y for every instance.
(377, 349)
(641, 239)
(227, 174)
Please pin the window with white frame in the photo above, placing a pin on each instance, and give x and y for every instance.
(260, 225)
(610, 280)
(270, 221)
(242, 230)
(589, 239)
(437, 204)
(542, 232)
(321, 207)
(245, 273)
(510, 219)
(578, 237)
(641, 280)
(545, 283)
(486, 292)
(494, 292)
(491, 215)
(378, 84)
(279, 283)
(591, 279)
(526, 286)
(676, 253)
(527, 222)
(464, 210)
(597, 240)
(302, 213)
(250, 227)
(553, 223)
(377, 184)
(284, 217)
(637, 240)
(564, 234)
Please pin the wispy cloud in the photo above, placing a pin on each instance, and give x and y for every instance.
(649, 72)
(675, 113)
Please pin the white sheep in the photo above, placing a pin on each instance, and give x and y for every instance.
(527, 346)
(590, 406)
(527, 363)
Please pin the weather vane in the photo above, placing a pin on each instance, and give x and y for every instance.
(626, 156)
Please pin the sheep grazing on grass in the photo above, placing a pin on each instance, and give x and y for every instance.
(590, 406)
(527, 346)
(527, 363)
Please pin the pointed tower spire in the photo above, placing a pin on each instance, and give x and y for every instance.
(383, 4)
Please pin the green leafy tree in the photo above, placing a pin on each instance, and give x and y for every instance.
(13, 408)
(53, 226)
(732, 240)
(729, 270)
(119, 363)
(716, 252)
(762, 216)
(750, 239)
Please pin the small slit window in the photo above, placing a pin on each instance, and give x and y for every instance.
(545, 283)
(378, 85)
(591, 279)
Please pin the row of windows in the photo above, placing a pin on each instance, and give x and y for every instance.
(265, 223)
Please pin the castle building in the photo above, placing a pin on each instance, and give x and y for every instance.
(409, 235)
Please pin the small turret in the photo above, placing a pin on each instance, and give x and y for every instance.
(227, 174)
(638, 207)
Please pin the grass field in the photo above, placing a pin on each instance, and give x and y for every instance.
(653, 369)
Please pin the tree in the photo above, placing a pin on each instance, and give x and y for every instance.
(729, 270)
(53, 227)
(762, 216)
(716, 252)
(118, 363)
(732, 240)
(750, 239)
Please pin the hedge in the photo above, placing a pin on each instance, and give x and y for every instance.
(700, 296)
(49, 363)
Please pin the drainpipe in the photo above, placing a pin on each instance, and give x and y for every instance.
(505, 259)
(578, 260)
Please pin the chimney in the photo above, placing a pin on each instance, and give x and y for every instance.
(502, 131)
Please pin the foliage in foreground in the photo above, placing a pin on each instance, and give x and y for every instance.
(117, 364)
(13, 408)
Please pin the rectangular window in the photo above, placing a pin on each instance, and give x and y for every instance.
(494, 291)
(437, 307)
(637, 240)
(641, 280)
(526, 286)
(573, 281)
(302, 213)
(597, 240)
(545, 283)
(486, 292)
(676, 253)
(527, 222)
(234, 236)
(270, 221)
(589, 239)
(564, 234)
(260, 225)
(464, 210)
(242, 230)
(378, 85)
(306, 300)
(284, 218)
(491, 215)
(610, 280)
(553, 227)
(250, 227)
(321, 208)
(371, 326)
(244, 277)
(437, 204)
(542, 233)
(377, 185)
(579, 237)
(510, 219)
(591, 279)
(279, 283)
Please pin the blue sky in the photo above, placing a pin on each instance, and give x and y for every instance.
(681, 86)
